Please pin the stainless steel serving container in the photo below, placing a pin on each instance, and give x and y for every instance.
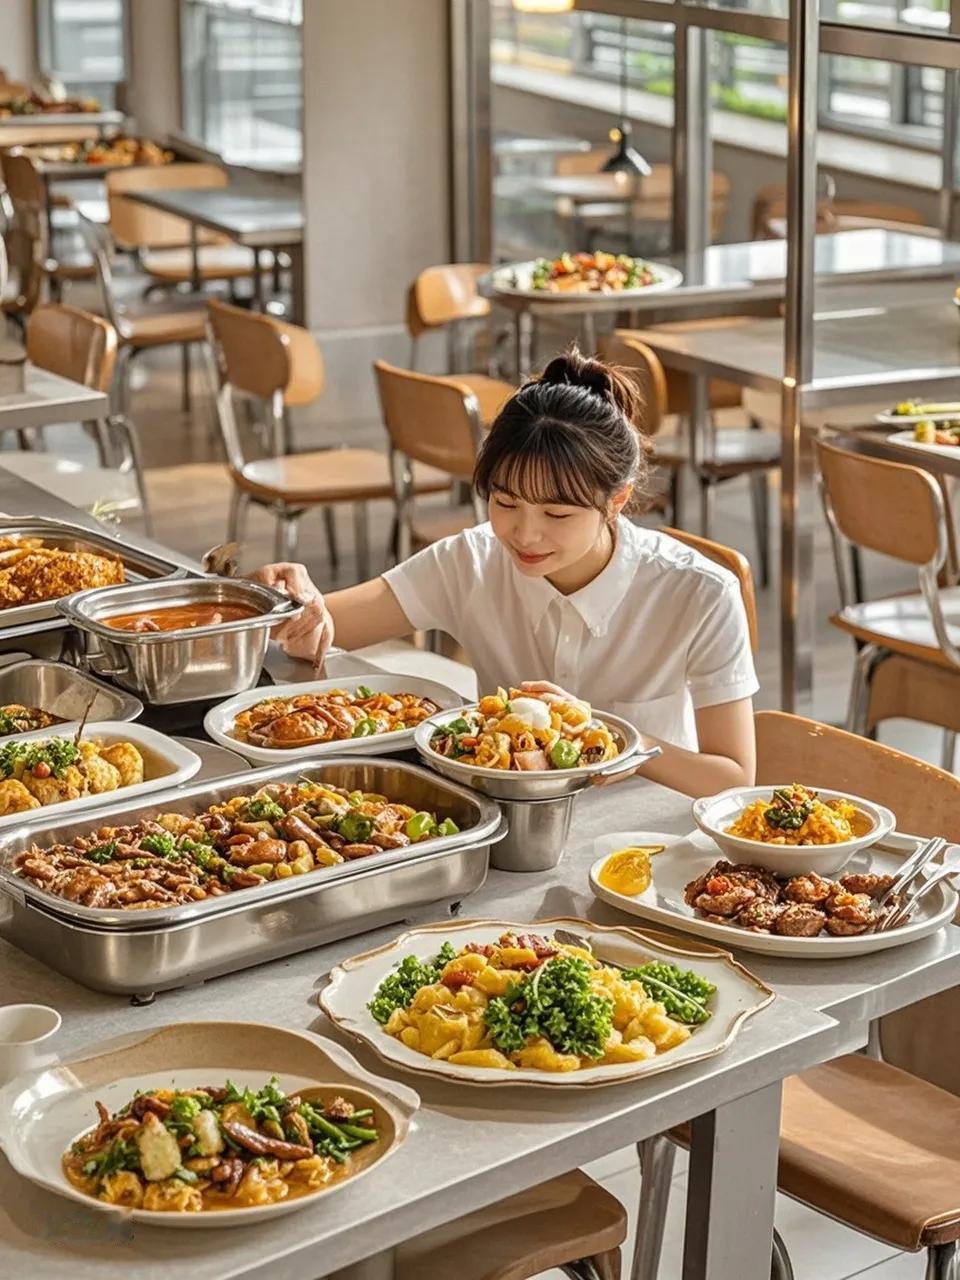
(25, 620)
(65, 692)
(193, 665)
(142, 952)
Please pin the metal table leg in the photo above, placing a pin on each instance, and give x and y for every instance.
(731, 1189)
(523, 332)
(196, 283)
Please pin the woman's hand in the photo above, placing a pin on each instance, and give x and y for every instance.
(310, 634)
(544, 686)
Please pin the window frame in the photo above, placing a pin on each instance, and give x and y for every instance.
(44, 29)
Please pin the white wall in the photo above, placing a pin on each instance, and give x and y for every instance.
(17, 39)
(154, 86)
(376, 177)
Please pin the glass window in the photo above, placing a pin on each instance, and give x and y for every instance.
(241, 79)
(83, 43)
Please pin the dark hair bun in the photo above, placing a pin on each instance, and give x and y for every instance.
(609, 383)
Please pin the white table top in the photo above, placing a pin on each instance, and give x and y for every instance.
(49, 399)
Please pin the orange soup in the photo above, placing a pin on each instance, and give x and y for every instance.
(181, 617)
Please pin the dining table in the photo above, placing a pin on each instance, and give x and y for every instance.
(257, 217)
(47, 399)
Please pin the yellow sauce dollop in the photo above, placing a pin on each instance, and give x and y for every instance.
(628, 870)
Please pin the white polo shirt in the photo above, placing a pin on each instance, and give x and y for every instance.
(660, 632)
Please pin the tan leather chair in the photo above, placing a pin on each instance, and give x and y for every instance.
(568, 1222)
(27, 193)
(906, 664)
(434, 422)
(730, 452)
(770, 207)
(739, 566)
(862, 1141)
(445, 297)
(163, 240)
(281, 365)
(82, 347)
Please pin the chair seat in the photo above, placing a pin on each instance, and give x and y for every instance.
(560, 1221)
(160, 327)
(329, 475)
(217, 262)
(428, 526)
(80, 485)
(492, 393)
(874, 1147)
(735, 452)
(903, 624)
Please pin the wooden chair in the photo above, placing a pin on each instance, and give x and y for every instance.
(82, 347)
(162, 241)
(281, 365)
(31, 221)
(901, 512)
(770, 207)
(739, 566)
(862, 1141)
(446, 297)
(569, 1222)
(144, 326)
(731, 452)
(435, 422)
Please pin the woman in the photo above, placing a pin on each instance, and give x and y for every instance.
(561, 586)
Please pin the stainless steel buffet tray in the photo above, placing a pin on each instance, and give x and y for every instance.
(141, 952)
(22, 619)
(64, 691)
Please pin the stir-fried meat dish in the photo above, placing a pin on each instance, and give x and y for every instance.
(218, 1147)
(54, 770)
(31, 572)
(16, 718)
(801, 907)
(282, 830)
(335, 716)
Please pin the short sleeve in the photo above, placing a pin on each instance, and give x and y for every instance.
(426, 586)
(720, 662)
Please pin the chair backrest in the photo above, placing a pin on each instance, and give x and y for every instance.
(644, 365)
(73, 344)
(444, 294)
(135, 226)
(431, 420)
(24, 185)
(739, 566)
(25, 270)
(770, 203)
(887, 507)
(266, 357)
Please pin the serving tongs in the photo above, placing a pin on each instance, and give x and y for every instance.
(946, 870)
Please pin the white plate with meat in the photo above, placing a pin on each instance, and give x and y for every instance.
(689, 858)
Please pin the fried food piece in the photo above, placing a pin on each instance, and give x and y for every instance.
(799, 920)
(866, 882)
(851, 913)
(127, 761)
(15, 798)
(100, 773)
(53, 790)
(724, 896)
(48, 573)
(811, 888)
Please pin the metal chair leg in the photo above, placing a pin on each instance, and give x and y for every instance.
(707, 487)
(583, 1269)
(948, 750)
(123, 427)
(781, 1268)
(287, 534)
(676, 497)
(331, 528)
(185, 375)
(237, 519)
(362, 540)
(657, 1156)
(943, 1261)
(860, 689)
(760, 498)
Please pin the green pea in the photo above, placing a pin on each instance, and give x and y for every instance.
(564, 754)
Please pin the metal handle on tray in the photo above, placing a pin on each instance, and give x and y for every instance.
(630, 764)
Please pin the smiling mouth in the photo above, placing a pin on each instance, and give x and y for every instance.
(527, 557)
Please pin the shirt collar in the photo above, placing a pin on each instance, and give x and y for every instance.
(598, 601)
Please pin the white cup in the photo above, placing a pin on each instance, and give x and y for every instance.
(25, 1030)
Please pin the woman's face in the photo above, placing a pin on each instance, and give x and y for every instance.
(544, 539)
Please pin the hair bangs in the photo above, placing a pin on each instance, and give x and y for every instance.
(545, 471)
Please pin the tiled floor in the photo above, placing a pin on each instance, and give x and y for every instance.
(189, 493)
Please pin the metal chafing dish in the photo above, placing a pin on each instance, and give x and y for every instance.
(65, 692)
(24, 620)
(192, 665)
(141, 952)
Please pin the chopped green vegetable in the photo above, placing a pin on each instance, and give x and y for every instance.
(420, 825)
(58, 753)
(355, 798)
(263, 809)
(185, 1175)
(355, 827)
(363, 691)
(399, 987)
(161, 843)
(564, 754)
(447, 828)
(365, 728)
(121, 1154)
(102, 852)
(555, 1001)
(184, 1109)
(683, 993)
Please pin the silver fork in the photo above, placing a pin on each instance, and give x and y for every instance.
(949, 867)
(912, 868)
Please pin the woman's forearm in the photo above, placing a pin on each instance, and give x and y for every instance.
(694, 773)
(367, 614)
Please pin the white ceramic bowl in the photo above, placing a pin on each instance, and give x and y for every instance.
(714, 814)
